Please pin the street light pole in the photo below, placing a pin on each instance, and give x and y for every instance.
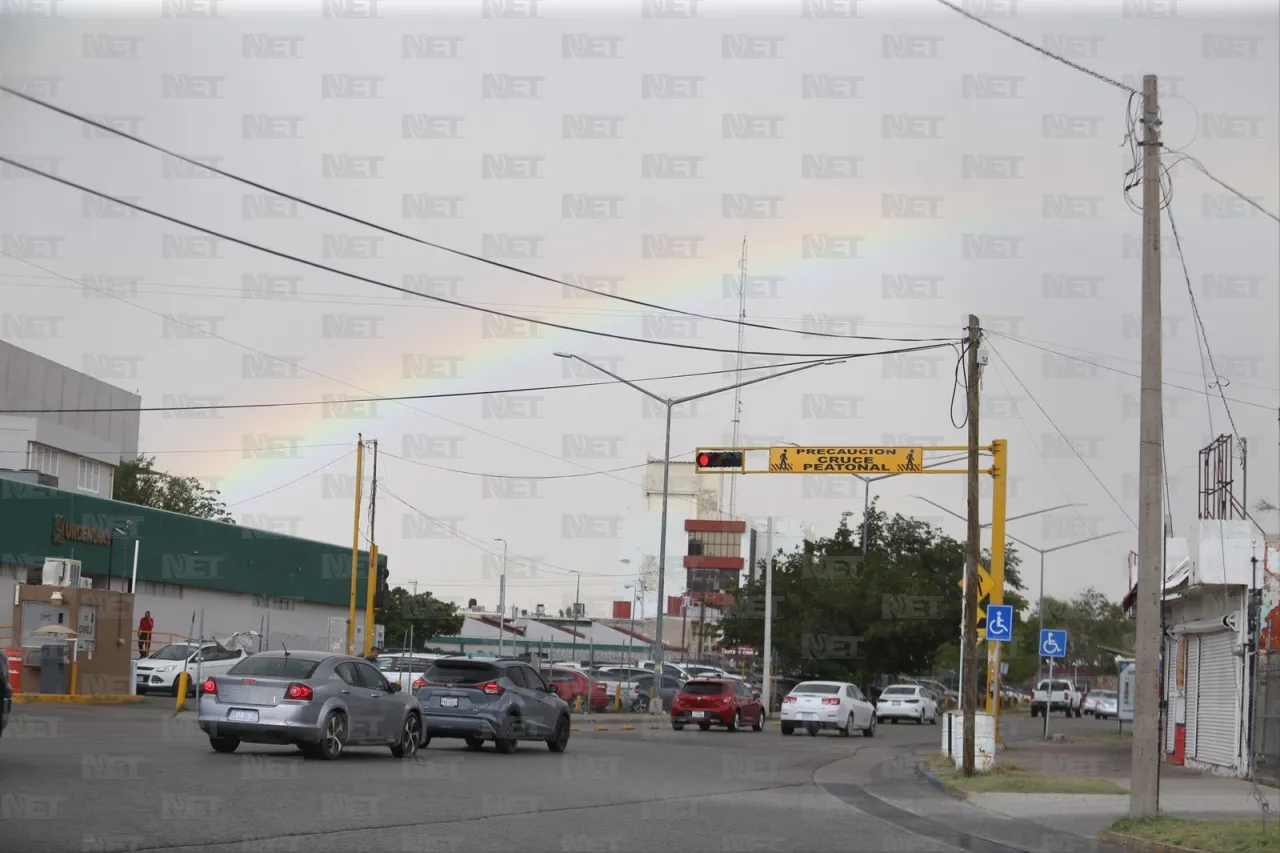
(866, 491)
(577, 597)
(671, 403)
(502, 597)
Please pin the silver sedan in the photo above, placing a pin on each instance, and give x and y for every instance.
(317, 701)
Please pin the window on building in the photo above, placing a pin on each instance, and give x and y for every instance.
(160, 590)
(90, 475)
(43, 459)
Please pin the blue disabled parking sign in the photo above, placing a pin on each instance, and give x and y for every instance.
(1053, 644)
(1000, 623)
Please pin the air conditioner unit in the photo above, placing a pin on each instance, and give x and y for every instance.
(540, 610)
(58, 572)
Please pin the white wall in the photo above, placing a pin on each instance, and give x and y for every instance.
(17, 434)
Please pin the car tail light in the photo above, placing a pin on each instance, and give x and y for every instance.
(493, 688)
(726, 699)
(788, 699)
(419, 682)
(210, 687)
(831, 700)
(300, 692)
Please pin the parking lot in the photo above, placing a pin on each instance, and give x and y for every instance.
(139, 777)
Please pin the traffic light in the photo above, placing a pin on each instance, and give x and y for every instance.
(719, 459)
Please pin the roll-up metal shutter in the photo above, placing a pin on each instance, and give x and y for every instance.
(1170, 691)
(1218, 707)
(1193, 690)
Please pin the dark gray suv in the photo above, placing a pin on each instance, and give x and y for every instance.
(480, 699)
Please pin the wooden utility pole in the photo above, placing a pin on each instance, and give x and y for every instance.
(1144, 795)
(971, 583)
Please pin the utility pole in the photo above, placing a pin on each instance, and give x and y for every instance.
(737, 394)
(971, 584)
(355, 548)
(767, 652)
(371, 587)
(577, 596)
(1144, 796)
(502, 597)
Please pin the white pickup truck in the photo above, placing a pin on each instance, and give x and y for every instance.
(1062, 696)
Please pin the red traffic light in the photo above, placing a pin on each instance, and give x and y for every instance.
(719, 460)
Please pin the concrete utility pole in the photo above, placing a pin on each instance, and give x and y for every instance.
(1144, 796)
(502, 597)
(768, 620)
(971, 583)
(355, 548)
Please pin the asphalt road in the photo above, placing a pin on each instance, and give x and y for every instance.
(75, 779)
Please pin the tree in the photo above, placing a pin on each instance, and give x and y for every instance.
(137, 482)
(427, 615)
(838, 614)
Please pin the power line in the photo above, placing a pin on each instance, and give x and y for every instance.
(1235, 192)
(483, 546)
(458, 252)
(192, 450)
(1042, 51)
(295, 480)
(1027, 343)
(441, 299)
(442, 396)
(1063, 436)
(1202, 336)
(515, 477)
(460, 424)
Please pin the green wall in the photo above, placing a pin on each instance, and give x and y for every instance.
(176, 549)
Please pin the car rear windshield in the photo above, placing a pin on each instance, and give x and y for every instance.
(825, 689)
(275, 667)
(461, 672)
(899, 691)
(704, 688)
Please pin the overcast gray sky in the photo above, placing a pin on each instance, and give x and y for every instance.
(892, 166)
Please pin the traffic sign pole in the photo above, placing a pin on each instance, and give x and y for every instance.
(999, 508)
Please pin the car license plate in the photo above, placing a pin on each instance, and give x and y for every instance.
(807, 716)
(895, 703)
(449, 702)
(239, 716)
(698, 715)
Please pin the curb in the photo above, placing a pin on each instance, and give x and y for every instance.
(83, 699)
(937, 782)
(1141, 844)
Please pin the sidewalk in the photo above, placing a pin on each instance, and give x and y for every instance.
(1183, 792)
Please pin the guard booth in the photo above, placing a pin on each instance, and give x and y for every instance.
(73, 639)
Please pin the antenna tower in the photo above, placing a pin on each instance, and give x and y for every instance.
(737, 394)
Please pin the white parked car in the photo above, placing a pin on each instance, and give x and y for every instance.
(1061, 696)
(158, 673)
(1102, 704)
(836, 705)
(406, 668)
(907, 702)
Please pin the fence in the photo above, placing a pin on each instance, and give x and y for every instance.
(1266, 719)
(544, 650)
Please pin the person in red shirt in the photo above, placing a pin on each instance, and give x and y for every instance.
(145, 626)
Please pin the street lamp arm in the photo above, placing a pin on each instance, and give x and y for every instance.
(610, 373)
(721, 390)
(1083, 541)
(1040, 512)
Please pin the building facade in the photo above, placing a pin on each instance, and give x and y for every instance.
(80, 451)
(190, 571)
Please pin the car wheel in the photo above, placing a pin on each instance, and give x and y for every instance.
(933, 721)
(847, 730)
(787, 728)
(333, 737)
(920, 719)
(1034, 712)
(679, 727)
(224, 744)
(410, 737)
(870, 731)
(736, 722)
(506, 743)
(475, 742)
(758, 725)
(560, 741)
(706, 727)
(893, 720)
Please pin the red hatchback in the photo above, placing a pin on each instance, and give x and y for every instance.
(569, 684)
(709, 702)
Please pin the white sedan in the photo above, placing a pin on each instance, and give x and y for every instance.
(907, 702)
(837, 705)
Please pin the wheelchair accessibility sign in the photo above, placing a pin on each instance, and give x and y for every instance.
(999, 623)
(1053, 644)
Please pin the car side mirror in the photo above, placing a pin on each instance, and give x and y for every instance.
(755, 694)
(393, 687)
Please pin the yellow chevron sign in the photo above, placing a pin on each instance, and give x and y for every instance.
(986, 583)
